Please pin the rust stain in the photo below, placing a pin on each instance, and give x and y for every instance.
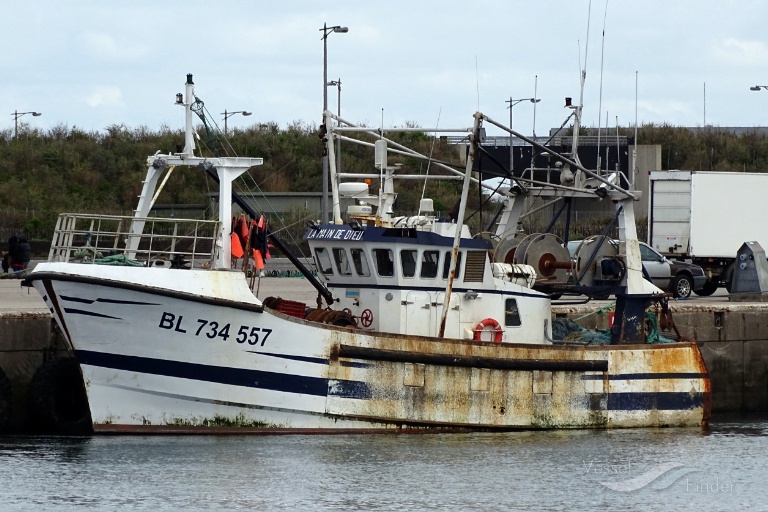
(707, 388)
(476, 397)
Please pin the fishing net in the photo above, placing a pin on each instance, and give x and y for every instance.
(118, 260)
(569, 332)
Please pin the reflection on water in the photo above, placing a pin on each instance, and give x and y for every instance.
(649, 469)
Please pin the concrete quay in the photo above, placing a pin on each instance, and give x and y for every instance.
(733, 337)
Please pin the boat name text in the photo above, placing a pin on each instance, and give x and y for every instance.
(212, 330)
(336, 234)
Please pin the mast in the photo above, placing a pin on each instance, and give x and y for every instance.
(225, 168)
(474, 138)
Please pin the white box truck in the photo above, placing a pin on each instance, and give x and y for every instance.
(706, 216)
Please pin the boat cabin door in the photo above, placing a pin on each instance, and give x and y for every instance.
(452, 320)
(419, 314)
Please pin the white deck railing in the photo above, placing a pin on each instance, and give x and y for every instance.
(164, 241)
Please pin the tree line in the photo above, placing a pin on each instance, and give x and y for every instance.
(46, 172)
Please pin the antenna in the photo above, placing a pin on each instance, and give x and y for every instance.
(705, 103)
(536, 100)
(607, 148)
(600, 100)
(429, 162)
(586, 45)
(577, 109)
(477, 84)
(618, 150)
(634, 149)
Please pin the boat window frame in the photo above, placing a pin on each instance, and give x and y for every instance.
(431, 266)
(378, 262)
(447, 265)
(326, 254)
(415, 260)
(342, 261)
(361, 266)
(512, 314)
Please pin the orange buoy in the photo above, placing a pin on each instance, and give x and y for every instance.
(494, 325)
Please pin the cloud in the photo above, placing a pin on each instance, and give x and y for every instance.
(105, 96)
(103, 46)
(741, 53)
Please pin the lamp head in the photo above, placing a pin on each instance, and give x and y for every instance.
(36, 114)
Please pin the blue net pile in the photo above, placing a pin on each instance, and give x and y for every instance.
(569, 332)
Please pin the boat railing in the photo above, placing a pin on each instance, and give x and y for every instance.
(104, 239)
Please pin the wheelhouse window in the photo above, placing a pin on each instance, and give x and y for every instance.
(360, 262)
(323, 260)
(342, 261)
(447, 265)
(408, 262)
(511, 313)
(429, 260)
(385, 262)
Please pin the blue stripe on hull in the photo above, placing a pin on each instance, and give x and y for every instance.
(317, 386)
(73, 311)
(645, 376)
(659, 401)
(283, 382)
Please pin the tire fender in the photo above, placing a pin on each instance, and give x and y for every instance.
(57, 399)
(6, 400)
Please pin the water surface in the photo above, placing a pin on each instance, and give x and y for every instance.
(648, 469)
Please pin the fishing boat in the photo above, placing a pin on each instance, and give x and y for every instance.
(422, 325)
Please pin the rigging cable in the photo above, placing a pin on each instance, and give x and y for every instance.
(219, 147)
(429, 161)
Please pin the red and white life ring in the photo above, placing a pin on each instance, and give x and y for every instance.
(495, 328)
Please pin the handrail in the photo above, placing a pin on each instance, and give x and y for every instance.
(164, 241)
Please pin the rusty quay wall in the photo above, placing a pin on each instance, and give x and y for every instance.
(733, 339)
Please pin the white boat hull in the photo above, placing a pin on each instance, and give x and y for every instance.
(167, 348)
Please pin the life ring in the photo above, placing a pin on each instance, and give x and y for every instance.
(57, 399)
(494, 325)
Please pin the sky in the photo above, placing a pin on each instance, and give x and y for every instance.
(94, 64)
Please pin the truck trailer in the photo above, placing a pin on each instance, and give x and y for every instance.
(705, 217)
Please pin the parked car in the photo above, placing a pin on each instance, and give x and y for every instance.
(678, 277)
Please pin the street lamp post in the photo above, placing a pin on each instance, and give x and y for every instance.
(327, 30)
(227, 115)
(337, 83)
(16, 115)
(512, 103)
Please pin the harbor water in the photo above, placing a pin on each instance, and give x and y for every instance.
(650, 469)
